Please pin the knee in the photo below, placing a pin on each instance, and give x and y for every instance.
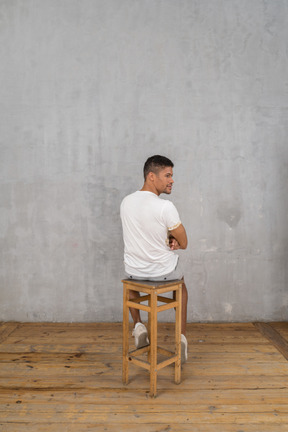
(133, 294)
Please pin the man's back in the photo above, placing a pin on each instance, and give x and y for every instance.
(146, 219)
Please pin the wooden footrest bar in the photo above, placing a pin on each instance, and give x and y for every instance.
(142, 363)
(138, 306)
(167, 306)
(167, 362)
(165, 352)
(132, 357)
(139, 351)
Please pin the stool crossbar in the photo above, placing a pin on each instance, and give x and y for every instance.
(153, 294)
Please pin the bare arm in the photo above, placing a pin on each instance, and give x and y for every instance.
(178, 234)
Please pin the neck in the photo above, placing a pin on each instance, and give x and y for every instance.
(149, 188)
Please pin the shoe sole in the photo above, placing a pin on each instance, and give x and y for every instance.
(142, 341)
(183, 356)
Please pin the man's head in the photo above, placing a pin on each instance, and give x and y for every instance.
(155, 164)
(158, 174)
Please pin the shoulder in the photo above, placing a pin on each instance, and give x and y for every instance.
(169, 211)
(168, 205)
(131, 201)
(129, 197)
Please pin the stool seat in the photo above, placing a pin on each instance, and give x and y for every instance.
(153, 294)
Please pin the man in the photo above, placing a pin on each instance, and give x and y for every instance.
(152, 231)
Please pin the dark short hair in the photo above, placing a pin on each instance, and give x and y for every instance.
(155, 163)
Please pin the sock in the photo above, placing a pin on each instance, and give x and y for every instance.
(137, 324)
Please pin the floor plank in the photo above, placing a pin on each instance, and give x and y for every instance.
(152, 427)
(125, 395)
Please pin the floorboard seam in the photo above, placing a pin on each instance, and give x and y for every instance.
(4, 334)
(274, 337)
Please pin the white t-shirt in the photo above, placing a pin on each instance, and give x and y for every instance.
(146, 219)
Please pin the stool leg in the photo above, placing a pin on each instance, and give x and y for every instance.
(149, 327)
(153, 345)
(178, 335)
(125, 334)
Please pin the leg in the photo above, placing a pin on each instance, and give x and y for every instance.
(140, 333)
(149, 327)
(184, 307)
(135, 313)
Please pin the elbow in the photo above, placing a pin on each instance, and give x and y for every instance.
(184, 246)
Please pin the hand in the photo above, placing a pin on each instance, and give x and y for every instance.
(173, 243)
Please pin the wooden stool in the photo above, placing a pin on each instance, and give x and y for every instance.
(153, 294)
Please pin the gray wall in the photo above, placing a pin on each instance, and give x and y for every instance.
(90, 89)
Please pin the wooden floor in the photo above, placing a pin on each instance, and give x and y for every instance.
(67, 378)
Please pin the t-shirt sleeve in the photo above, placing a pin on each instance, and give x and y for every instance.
(170, 216)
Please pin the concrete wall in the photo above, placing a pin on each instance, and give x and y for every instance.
(90, 89)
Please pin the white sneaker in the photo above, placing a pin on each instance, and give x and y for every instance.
(184, 349)
(141, 335)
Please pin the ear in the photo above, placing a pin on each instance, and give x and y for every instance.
(151, 176)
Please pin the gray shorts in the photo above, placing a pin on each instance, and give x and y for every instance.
(177, 273)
